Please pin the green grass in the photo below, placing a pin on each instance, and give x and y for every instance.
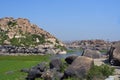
(10, 66)
(70, 51)
(100, 72)
(103, 51)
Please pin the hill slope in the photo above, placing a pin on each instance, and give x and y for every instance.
(21, 33)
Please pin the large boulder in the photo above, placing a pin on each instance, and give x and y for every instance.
(48, 75)
(42, 66)
(79, 67)
(33, 73)
(56, 64)
(51, 74)
(92, 53)
(70, 59)
(114, 54)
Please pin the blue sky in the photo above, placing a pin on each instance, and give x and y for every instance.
(69, 19)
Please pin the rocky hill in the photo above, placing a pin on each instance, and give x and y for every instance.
(21, 33)
(90, 44)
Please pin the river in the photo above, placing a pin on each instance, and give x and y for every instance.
(76, 52)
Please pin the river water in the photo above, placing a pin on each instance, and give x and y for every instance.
(76, 52)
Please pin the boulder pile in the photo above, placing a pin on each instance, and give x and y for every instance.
(59, 69)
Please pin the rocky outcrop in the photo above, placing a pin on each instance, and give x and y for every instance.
(89, 44)
(114, 54)
(79, 67)
(58, 70)
(23, 35)
(70, 59)
(92, 53)
(56, 64)
(14, 26)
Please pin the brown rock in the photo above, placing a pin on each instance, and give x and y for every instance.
(114, 54)
(92, 53)
(79, 67)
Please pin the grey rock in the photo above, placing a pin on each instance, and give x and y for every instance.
(56, 63)
(50, 51)
(114, 54)
(92, 53)
(70, 59)
(33, 73)
(79, 67)
(48, 75)
(42, 66)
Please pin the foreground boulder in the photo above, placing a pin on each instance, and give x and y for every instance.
(57, 70)
(33, 73)
(48, 75)
(42, 66)
(92, 53)
(70, 59)
(79, 67)
(56, 64)
(114, 54)
(51, 74)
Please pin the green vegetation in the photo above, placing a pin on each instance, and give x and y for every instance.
(99, 72)
(74, 50)
(103, 51)
(29, 40)
(64, 65)
(70, 51)
(10, 66)
(61, 47)
(3, 36)
(15, 41)
(12, 23)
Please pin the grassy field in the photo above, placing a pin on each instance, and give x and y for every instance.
(10, 66)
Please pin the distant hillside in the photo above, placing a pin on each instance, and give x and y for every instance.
(21, 36)
(20, 32)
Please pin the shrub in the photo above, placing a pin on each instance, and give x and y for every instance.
(12, 23)
(99, 72)
(29, 40)
(14, 41)
(3, 36)
(61, 47)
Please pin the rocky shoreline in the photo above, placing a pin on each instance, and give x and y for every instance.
(40, 50)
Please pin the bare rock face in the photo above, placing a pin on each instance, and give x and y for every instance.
(92, 53)
(79, 67)
(114, 54)
(15, 25)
